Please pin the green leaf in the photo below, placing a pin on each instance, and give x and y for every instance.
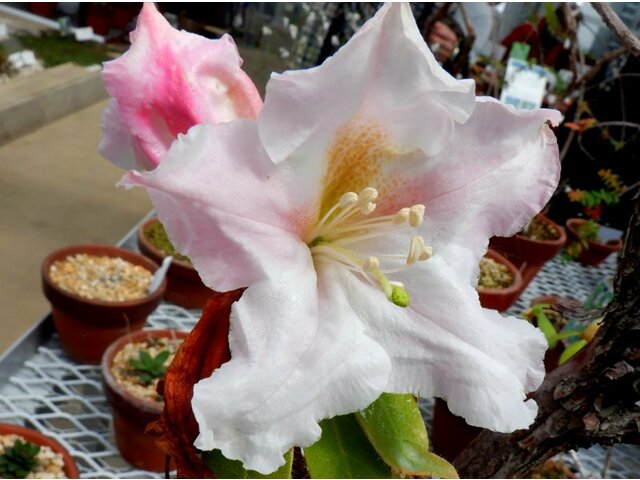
(162, 357)
(571, 350)
(225, 468)
(343, 451)
(547, 328)
(145, 357)
(18, 460)
(394, 426)
(568, 334)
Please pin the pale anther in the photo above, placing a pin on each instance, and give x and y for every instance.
(348, 199)
(371, 264)
(427, 253)
(367, 208)
(416, 215)
(368, 195)
(416, 249)
(402, 216)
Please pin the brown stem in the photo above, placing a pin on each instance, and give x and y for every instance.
(619, 29)
(572, 28)
(592, 399)
(601, 62)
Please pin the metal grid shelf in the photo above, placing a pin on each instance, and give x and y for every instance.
(63, 399)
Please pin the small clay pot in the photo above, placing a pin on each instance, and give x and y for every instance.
(528, 255)
(501, 298)
(132, 414)
(597, 252)
(184, 286)
(33, 436)
(87, 327)
(450, 434)
(528, 250)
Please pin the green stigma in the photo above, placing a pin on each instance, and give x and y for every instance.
(400, 297)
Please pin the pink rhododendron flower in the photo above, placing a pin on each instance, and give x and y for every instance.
(356, 209)
(167, 82)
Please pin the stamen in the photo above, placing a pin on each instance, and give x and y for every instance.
(369, 194)
(416, 215)
(402, 216)
(367, 208)
(348, 222)
(416, 249)
(348, 199)
(371, 264)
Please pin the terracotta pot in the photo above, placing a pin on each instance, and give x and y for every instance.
(131, 414)
(122, 14)
(87, 327)
(43, 9)
(501, 298)
(528, 250)
(99, 18)
(528, 255)
(597, 252)
(184, 286)
(450, 434)
(33, 436)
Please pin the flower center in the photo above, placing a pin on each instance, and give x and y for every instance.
(349, 222)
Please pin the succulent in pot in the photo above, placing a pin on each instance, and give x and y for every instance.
(500, 282)
(586, 246)
(184, 286)
(27, 453)
(131, 369)
(98, 293)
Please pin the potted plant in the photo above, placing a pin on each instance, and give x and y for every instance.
(539, 241)
(98, 293)
(131, 369)
(586, 245)
(564, 341)
(26, 453)
(500, 282)
(184, 286)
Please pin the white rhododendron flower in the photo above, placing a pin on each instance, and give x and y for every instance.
(356, 209)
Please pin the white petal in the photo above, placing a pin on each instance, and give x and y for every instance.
(236, 215)
(385, 72)
(301, 359)
(498, 172)
(446, 345)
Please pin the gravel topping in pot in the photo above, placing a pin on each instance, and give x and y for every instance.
(494, 274)
(110, 279)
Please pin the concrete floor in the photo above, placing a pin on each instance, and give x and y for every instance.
(55, 190)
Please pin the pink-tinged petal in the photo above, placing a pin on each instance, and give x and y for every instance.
(170, 80)
(500, 169)
(385, 73)
(117, 144)
(236, 215)
(301, 359)
(446, 345)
